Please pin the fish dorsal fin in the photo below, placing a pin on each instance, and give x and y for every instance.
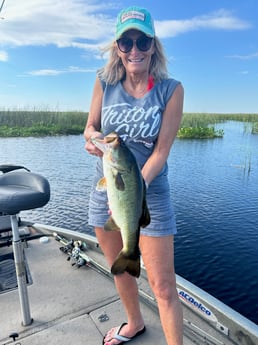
(120, 185)
(102, 185)
(110, 225)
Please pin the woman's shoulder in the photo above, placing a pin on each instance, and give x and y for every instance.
(105, 84)
(166, 87)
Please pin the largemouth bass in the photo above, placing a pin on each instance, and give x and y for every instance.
(126, 191)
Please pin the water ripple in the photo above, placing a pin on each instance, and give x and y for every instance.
(215, 199)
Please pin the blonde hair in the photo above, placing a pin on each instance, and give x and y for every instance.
(114, 70)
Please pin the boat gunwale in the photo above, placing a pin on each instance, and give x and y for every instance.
(231, 323)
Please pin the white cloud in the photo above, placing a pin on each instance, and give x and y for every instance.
(54, 72)
(63, 23)
(45, 72)
(244, 57)
(3, 56)
(88, 24)
(219, 20)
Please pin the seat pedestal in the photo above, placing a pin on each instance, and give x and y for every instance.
(20, 273)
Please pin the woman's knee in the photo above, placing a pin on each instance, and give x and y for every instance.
(164, 289)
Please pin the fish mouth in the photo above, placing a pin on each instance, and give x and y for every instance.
(100, 144)
(110, 141)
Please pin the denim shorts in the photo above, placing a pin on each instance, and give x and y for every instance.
(163, 222)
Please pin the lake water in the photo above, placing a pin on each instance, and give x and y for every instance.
(214, 186)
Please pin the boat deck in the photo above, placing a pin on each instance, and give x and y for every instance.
(68, 305)
(78, 306)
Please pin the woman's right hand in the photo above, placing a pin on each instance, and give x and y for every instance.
(91, 148)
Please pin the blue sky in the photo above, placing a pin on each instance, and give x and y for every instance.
(50, 51)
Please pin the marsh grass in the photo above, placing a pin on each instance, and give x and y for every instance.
(46, 122)
(199, 132)
(41, 123)
(205, 119)
(255, 128)
(202, 126)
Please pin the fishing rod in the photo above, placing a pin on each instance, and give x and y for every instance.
(76, 253)
(3, 1)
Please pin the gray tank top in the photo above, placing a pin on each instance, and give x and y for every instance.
(137, 121)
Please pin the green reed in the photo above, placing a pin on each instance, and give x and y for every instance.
(205, 119)
(41, 123)
(37, 122)
(201, 126)
(199, 133)
(255, 128)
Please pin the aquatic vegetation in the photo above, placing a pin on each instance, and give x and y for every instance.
(38, 130)
(199, 126)
(255, 128)
(199, 133)
(43, 122)
(205, 119)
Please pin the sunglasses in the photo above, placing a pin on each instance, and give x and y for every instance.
(125, 44)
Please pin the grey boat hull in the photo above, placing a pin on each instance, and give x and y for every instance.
(70, 305)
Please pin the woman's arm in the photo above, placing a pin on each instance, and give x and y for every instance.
(93, 125)
(170, 124)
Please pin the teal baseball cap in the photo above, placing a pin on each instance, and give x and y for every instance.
(134, 17)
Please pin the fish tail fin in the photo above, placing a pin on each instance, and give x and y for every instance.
(124, 263)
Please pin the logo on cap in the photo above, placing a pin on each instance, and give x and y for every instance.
(132, 15)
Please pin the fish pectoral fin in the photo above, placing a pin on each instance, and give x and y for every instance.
(145, 217)
(101, 185)
(128, 264)
(111, 225)
(120, 185)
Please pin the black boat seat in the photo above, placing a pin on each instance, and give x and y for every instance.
(22, 190)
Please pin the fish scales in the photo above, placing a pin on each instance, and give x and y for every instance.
(127, 200)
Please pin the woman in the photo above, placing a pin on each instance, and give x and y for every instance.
(134, 97)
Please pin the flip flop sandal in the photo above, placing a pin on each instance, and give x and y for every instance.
(122, 338)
